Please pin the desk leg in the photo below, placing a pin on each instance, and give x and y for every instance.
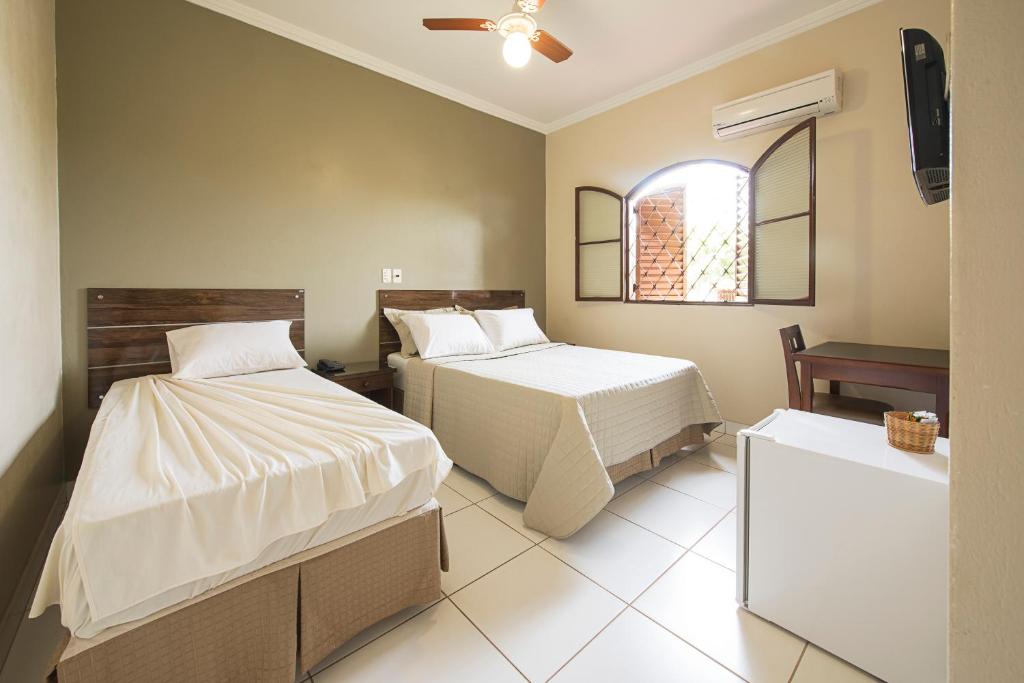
(942, 405)
(806, 386)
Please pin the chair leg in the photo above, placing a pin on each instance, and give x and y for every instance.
(833, 387)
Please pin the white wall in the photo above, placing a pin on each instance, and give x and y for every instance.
(987, 335)
(30, 345)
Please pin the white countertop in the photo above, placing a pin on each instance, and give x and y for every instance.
(854, 441)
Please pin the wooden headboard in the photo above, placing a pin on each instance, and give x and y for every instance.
(126, 327)
(423, 299)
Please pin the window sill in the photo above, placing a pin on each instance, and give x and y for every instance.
(691, 303)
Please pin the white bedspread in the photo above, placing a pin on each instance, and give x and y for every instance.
(541, 423)
(186, 479)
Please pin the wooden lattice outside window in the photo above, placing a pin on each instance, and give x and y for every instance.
(661, 246)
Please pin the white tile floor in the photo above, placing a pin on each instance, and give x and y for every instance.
(644, 592)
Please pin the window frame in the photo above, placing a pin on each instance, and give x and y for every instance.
(627, 200)
(619, 198)
(811, 214)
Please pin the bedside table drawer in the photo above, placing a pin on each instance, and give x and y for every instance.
(363, 384)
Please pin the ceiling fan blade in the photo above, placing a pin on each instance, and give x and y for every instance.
(551, 47)
(459, 24)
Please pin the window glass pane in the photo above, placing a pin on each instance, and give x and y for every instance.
(783, 261)
(600, 216)
(599, 270)
(781, 188)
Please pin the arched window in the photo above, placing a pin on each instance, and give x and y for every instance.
(705, 232)
(687, 235)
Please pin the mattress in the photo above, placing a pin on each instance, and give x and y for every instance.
(542, 423)
(398, 362)
(250, 470)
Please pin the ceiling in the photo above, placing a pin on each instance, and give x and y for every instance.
(623, 49)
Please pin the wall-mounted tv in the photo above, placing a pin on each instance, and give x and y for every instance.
(924, 80)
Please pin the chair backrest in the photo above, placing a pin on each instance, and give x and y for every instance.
(792, 341)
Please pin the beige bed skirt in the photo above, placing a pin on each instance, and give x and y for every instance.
(276, 621)
(648, 460)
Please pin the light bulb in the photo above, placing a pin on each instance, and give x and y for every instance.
(516, 49)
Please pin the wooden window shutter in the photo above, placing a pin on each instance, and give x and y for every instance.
(598, 244)
(661, 246)
(782, 220)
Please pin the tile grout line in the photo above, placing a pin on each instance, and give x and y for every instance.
(702, 555)
(628, 604)
(593, 581)
(445, 595)
(426, 606)
(489, 571)
(533, 545)
(587, 644)
(673, 633)
(539, 544)
(798, 660)
(676, 543)
(670, 631)
(509, 525)
(688, 643)
(666, 486)
(487, 638)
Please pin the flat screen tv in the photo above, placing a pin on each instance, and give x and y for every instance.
(924, 81)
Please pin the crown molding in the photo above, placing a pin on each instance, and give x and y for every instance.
(267, 22)
(777, 35)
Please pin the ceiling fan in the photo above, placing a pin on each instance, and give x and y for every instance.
(519, 29)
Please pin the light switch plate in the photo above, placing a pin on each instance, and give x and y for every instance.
(396, 275)
(385, 275)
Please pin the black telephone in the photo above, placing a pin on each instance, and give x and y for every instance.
(329, 366)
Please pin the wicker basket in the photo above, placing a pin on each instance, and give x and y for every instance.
(907, 435)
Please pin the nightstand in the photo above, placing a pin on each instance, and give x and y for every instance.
(368, 379)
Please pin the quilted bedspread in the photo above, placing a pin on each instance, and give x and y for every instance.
(541, 423)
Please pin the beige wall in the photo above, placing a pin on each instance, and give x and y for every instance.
(30, 422)
(197, 151)
(987, 330)
(878, 245)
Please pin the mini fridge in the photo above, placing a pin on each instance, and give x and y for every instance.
(842, 540)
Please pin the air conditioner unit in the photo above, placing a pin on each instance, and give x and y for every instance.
(817, 95)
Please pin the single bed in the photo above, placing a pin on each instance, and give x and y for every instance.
(553, 425)
(234, 528)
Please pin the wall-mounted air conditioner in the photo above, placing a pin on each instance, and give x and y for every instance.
(817, 95)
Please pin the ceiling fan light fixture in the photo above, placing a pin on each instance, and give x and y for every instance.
(517, 49)
(519, 29)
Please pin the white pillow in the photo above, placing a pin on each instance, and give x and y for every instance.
(223, 349)
(510, 328)
(394, 315)
(446, 335)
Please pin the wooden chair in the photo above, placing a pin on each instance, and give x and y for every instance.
(848, 407)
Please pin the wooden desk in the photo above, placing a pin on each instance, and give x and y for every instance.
(898, 367)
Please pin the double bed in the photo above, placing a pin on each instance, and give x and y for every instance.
(550, 424)
(238, 527)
